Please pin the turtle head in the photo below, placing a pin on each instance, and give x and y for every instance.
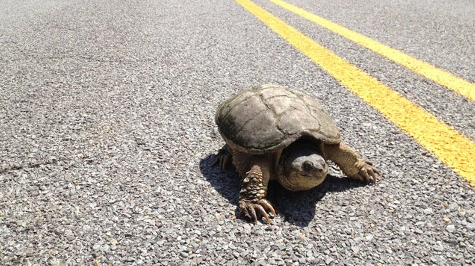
(302, 167)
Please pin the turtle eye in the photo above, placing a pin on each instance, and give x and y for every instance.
(307, 166)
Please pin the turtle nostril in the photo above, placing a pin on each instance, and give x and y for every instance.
(307, 166)
(319, 168)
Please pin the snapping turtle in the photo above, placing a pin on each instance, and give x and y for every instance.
(276, 133)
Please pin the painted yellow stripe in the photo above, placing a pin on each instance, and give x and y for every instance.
(422, 68)
(454, 149)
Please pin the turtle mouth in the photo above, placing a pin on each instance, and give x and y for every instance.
(316, 175)
(307, 175)
(302, 180)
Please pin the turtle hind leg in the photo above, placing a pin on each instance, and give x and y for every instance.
(224, 158)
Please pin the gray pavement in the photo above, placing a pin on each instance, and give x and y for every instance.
(107, 136)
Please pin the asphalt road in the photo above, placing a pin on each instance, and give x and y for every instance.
(107, 135)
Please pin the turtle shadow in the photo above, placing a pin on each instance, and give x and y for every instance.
(225, 182)
(297, 207)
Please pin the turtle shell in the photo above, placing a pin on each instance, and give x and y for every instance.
(270, 117)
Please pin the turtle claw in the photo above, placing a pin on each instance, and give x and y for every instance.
(368, 173)
(224, 159)
(254, 210)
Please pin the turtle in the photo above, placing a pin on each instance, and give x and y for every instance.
(273, 132)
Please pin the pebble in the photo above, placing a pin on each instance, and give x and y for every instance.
(369, 237)
(450, 228)
(471, 226)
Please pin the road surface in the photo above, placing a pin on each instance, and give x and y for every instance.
(107, 133)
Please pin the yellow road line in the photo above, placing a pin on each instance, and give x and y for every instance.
(454, 149)
(422, 68)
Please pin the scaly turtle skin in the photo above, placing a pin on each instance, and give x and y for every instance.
(275, 133)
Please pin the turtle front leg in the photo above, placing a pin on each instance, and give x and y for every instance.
(351, 163)
(252, 202)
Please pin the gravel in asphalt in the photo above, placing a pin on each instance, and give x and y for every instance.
(107, 139)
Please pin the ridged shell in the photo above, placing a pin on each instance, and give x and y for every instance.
(270, 117)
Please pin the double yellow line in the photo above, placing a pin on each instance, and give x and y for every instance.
(422, 68)
(451, 147)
